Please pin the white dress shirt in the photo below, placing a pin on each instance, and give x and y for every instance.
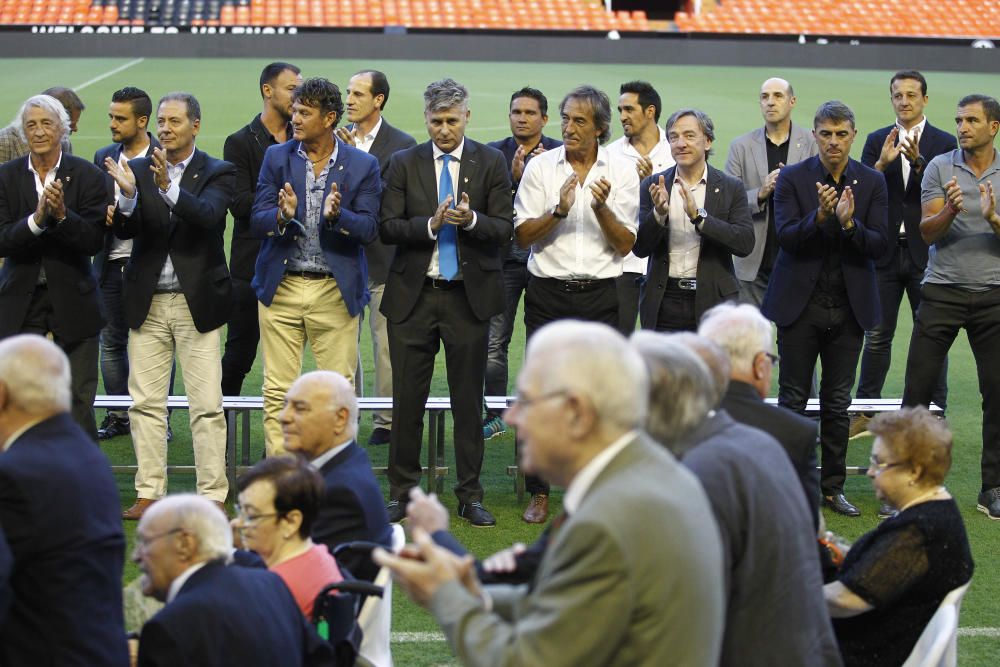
(365, 143)
(434, 268)
(905, 134)
(178, 583)
(685, 240)
(583, 480)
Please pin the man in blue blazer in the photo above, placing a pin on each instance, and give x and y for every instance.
(316, 207)
(830, 217)
(60, 511)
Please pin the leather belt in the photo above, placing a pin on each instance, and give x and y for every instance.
(442, 283)
(309, 275)
(687, 284)
(902, 242)
(580, 285)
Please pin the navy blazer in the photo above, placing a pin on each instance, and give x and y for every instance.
(904, 203)
(60, 510)
(224, 616)
(801, 241)
(357, 177)
(6, 564)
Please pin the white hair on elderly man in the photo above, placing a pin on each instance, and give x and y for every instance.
(199, 517)
(740, 330)
(48, 103)
(36, 373)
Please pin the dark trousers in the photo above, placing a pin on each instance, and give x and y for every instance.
(943, 311)
(515, 280)
(242, 338)
(440, 315)
(900, 277)
(628, 286)
(677, 312)
(114, 335)
(545, 301)
(82, 358)
(833, 336)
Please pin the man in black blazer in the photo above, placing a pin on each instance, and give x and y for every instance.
(698, 215)
(129, 115)
(900, 151)
(367, 95)
(52, 212)
(245, 150)
(60, 510)
(177, 295)
(830, 216)
(215, 615)
(446, 206)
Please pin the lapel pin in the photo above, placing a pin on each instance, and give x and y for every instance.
(195, 177)
(717, 190)
(854, 182)
(67, 178)
(340, 168)
(466, 179)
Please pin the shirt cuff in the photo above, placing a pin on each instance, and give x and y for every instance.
(661, 219)
(430, 232)
(126, 205)
(35, 229)
(469, 227)
(172, 194)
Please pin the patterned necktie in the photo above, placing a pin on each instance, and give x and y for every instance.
(447, 241)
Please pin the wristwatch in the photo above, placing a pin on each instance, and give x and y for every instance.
(699, 217)
(919, 163)
(557, 214)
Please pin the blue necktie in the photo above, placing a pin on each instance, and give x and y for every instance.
(447, 242)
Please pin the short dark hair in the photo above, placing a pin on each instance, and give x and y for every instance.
(533, 93)
(648, 97)
(833, 111)
(380, 85)
(917, 437)
(990, 105)
(137, 99)
(910, 74)
(600, 107)
(67, 96)
(193, 108)
(273, 71)
(704, 122)
(297, 486)
(322, 94)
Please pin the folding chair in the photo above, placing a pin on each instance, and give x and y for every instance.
(937, 645)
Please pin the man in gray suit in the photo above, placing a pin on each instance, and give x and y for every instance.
(756, 158)
(633, 571)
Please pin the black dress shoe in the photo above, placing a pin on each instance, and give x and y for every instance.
(989, 503)
(840, 505)
(886, 511)
(477, 515)
(113, 426)
(396, 511)
(380, 436)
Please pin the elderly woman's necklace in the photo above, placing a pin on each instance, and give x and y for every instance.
(924, 496)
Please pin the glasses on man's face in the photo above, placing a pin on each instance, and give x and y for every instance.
(882, 466)
(773, 358)
(252, 519)
(142, 542)
(522, 401)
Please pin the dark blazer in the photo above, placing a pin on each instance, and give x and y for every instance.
(904, 203)
(65, 252)
(224, 616)
(60, 509)
(388, 141)
(410, 199)
(727, 231)
(114, 152)
(802, 241)
(795, 433)
(192, 234)
(245, 150)
(357, 178)
(6, 564)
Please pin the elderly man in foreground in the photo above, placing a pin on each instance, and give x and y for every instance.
(609, 589)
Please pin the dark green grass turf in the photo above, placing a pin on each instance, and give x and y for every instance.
(228, 95)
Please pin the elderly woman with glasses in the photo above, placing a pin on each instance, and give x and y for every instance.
(895, 577)
(278, 500)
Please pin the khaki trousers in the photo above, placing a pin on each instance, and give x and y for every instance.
(379, 327)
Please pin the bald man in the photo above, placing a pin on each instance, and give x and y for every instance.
(756, 159)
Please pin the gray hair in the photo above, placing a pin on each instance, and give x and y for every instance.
(342, 395)
(835, 112)
(48, 103)
(36, 373)
(189, 100)
(704, 122)
(445, 94)
(680, 389)
(740, 330)
(600, 105)
(595, 361)
(200, 517)
(715, 358)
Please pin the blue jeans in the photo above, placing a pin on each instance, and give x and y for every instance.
(515, 280)
(114, 335)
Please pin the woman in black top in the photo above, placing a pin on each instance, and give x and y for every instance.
(895, 577)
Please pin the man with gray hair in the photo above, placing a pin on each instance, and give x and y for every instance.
(215, 614)
(52, 211)
(60, 512)
(13, 143)
(577, 246)
(632, 571)
(444, 285)
(772, 573)
(746, 337)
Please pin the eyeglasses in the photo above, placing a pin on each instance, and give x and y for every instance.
(142, 542)
(253, 519)
(882, 466)
(523, 401)
(773, 358)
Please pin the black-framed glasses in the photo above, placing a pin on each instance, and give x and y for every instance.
(773, 358)
(523, 401)
(881, 466)
(143, 542)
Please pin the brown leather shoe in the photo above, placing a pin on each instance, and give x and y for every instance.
(537, 510)
(135, 512)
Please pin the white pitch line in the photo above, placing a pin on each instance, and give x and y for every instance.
(427, 637)
(979, 632)
(101, 77)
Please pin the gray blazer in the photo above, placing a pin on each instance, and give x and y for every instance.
(747, 161)
(633, 577)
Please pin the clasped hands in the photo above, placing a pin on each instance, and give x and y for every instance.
(600, 190)
(459, 216)
(51, 207)
(832, 206)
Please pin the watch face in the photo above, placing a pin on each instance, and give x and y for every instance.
(702, 213)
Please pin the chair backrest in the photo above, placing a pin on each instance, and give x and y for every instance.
(335, 616)
(937, 644)
(375, 618)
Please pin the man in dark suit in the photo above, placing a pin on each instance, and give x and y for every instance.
(52, 212)
(900, 151)
(447, 208)
(60, 510)
(245, 150)
(830, 215)
(6, 564)
(316, 207)
(745, 336)
(129, 115)
(214, 615)
(699, 216)
(369, 131)
(177, 295)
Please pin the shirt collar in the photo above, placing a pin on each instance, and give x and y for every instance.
(602, 155)
(301, 152)
(183, 164)
(843, 177)
(457, 153)
(19, 432)
(919, 127)
(325, 457)
(701, 181)
(54, 169)
(584, 479)
(178, 583)
(374, 131)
